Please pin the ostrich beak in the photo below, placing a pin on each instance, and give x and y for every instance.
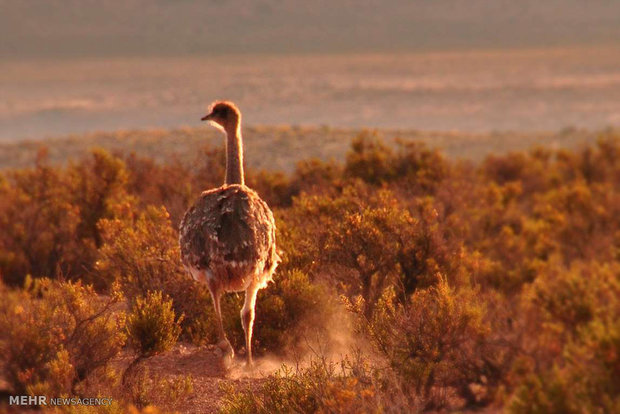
(207, 117)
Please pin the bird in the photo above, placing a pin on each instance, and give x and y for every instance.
(228, 236)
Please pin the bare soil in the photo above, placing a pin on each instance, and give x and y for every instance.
(210, 377)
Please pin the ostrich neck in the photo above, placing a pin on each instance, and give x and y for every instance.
(234, 156)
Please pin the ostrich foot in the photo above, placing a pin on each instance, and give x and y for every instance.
(249, 361)
(225, 351)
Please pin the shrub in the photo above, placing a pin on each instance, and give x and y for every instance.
(146, 388)
(370, 160)
(365, 240)
(412, 165)
(274, 187)
(39, 225)
(55, 334)
(151, 325)
(50, 216)
(98, 183)
(420, 169)
(572, 364)
(537, 233)
(290, 311)
(316, 176)
(585, 379)
(166, 185)
(142, 253)
(323, 386)
(439, 340)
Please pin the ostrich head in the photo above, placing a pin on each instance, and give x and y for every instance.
(225, 114)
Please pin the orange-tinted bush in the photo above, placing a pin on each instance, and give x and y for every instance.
(55, 334)
(573, 364)
(142, 253)
(324, 386)
(529, 244)
(151, 325)
(439, 340)
(364, 239)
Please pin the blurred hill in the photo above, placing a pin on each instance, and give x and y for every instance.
(278, 148)
(167, 27)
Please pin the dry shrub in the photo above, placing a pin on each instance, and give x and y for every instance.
(49, 217)
(99, 183)
(39, 225)
(365, 240)
(370, 160)
(572, 363)
(582, 219)
(536, 232)
(274, 187)
(439, 344)
(412, 164)
(290, 312)
(55, 334)
(166, 185)
(145, 388)
(316, 176)
(142, 253)
(151, 325)
(347, 386)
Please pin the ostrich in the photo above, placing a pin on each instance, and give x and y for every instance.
(227, 237)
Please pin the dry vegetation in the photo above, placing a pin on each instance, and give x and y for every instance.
(466, 285)
(279, 148)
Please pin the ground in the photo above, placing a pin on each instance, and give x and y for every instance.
(209, 375)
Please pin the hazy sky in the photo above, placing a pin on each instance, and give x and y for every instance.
(177, 27)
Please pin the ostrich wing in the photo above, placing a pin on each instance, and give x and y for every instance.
(230, 226)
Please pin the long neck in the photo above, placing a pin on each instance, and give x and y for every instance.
(234, 156)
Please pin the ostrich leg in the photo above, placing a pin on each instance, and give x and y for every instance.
(247, 318)
(222, 340)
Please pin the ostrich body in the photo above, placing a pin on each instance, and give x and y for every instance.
(227, 237)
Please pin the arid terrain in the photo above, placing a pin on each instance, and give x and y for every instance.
(279, 148)
(444, 184)
(411, 281)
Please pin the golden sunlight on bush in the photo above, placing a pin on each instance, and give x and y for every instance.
(460, 286)
(323, 386)
(142, 253)
(55, 334)
(151, 325)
